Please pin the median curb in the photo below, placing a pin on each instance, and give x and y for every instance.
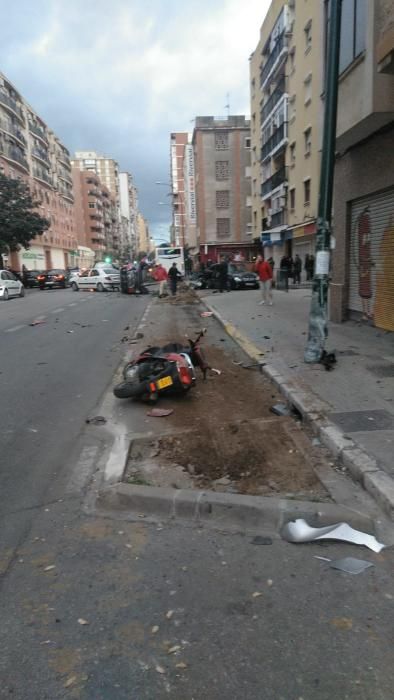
(223, 510)
(362, 467)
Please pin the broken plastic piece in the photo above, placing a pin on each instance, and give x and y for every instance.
(96, 420)
(160, 412)
(217, 371)
(205, 314)
(299, 531)
(280, 409)
(37, 322)
(351, 565)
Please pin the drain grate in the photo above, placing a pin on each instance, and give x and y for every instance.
(361, 421)
(382, 370)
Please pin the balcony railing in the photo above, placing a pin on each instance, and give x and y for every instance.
(273, 100)
(65, 176)
(281, 44)
(38, 131)
(12, 129)
(274, 181)
(42, 155)
(42, 175)
(11, 103)
(278, 218)
(13, 153)
(279, 135)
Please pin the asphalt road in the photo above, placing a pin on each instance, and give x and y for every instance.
(51, 378)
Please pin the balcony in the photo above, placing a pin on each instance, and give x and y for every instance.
(66, 177)
(278, 219)
(13, 153)
(271, 103)
(11, 104)
(37, 131)
(43, 176)
(64, 159)
(13, 130)
(275, 142)
(276, 180)
(41, 155)
(275, 59)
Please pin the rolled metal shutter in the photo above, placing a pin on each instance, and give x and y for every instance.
(371, 265)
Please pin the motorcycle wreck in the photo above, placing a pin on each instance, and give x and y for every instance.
(169, 369)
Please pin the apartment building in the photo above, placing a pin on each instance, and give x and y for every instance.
(179, 141)
(143, 236)
(221, 149)
(286, 79)
(96, 215)
(30, 151)
(128, 198)
(107, 169)
(363, 260)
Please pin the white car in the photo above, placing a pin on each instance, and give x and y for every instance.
(99, 279)
(10, 286)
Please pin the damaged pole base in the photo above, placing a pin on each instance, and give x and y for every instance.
(317, 333)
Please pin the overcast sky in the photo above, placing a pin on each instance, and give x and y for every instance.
(117, 76)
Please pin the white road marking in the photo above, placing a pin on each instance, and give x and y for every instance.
(57, 311)
(15, 328)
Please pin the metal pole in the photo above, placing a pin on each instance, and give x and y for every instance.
(318, 312)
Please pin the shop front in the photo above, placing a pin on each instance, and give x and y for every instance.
(304, 242)
(238, 252)
(33, 259)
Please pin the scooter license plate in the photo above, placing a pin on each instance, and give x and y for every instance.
(164, 382)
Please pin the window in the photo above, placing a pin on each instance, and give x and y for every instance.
(308, 141)
(292, 199)
(222, 169)
(292, 153)
(308, 36)
(222, 228)
(247, 142)
(308, 89)
(354, 18)
(307, 192)
(91, 205)
(222, 199)
(221, 140)
(292, 108)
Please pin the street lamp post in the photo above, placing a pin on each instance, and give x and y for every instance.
(318, 332)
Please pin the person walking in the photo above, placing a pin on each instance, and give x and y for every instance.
(285, 271)
(174, 275)
(264, 271)
(222, 275)
(161, 276)
(297, 269)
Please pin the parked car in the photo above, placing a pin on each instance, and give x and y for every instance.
(10, 286)
(238, 277)
(99, 279)
(31, 278)
(52, 279)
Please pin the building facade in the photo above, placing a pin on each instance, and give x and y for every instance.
(128, 198)
(179, 141)
(221, 149)
(31, 152)
(143, 237)
(363, 260)
(286, 78)
(97, 222)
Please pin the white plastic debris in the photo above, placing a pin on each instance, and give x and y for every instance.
(299, 531)
(351, 565)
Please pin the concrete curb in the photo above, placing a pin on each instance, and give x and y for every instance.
(223, 510)
(362, 467)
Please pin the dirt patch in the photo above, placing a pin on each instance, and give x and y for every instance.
(184, 295)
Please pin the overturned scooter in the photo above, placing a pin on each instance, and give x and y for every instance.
(162, 370)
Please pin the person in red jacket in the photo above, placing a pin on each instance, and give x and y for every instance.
(264, 271)
(161, 276)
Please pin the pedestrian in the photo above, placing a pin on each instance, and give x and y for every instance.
(25, 275)
(174, 275)
(285, 271)
(291, 267)
(222, 271)
(311, 267)
(161, 276)
(264, 271)
(297, 269)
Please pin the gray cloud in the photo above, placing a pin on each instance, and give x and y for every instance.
(119, 76)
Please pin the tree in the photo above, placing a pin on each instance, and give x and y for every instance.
(19, 223)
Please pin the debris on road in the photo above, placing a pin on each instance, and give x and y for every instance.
(169, 614)
(298, 531)
(160, 669)
(342, 623)
(350, 565)
(155, 629)
(256, 594)
(206, 314)
(181, 665)
(216, 371)
(160, 412)
(70, 331)
(261, 540)
(81, 621)
(174, 649)
(280, 409)
(37, 322)
(50, 568)
(96, 420)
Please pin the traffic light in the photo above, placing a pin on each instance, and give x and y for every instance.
(107, 260)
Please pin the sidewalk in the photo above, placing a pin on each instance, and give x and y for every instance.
(358, 393)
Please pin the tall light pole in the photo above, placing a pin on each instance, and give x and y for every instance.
(318, 312)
